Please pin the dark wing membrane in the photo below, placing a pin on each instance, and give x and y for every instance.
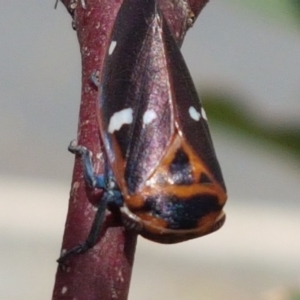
(135, 77)
(189, 115)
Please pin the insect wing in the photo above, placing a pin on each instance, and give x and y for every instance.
(147, 95)
(189, 113)
(136, 112)
(155, 131)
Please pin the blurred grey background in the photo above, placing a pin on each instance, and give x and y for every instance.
(244, 59)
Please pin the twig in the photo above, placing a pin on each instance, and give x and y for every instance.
(104, 271)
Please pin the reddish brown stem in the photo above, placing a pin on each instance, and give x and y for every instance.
(104, 271)
(197, 5)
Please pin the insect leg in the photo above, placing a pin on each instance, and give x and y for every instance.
(92, 239)
(108, 197)
(111, 195)
(93, 234)
(93, 180)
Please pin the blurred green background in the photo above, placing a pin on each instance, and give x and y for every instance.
(244, 59)
(228, 110)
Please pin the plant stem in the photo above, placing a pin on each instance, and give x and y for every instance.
(104, 271)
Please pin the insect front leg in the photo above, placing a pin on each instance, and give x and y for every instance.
(110, 196)
(93, 234)
(92, 179)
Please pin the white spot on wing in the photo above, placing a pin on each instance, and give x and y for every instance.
(149, 116)
(112, 47)
(194, 114)
(203, 114)
(119, 119)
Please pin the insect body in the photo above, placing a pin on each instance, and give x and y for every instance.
(155, 131)
(160, 158)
